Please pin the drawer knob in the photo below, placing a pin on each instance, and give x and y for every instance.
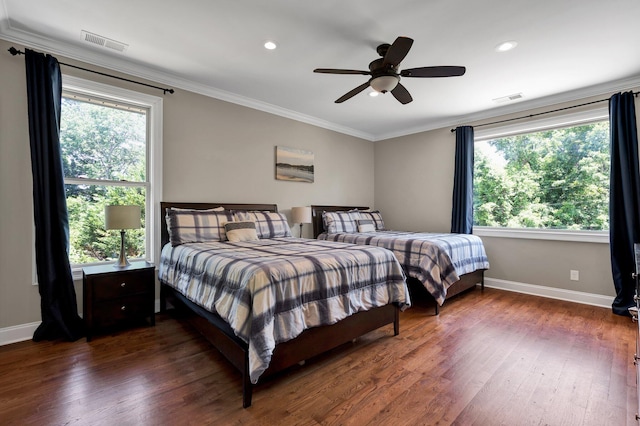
(124, 308)
(123, 285)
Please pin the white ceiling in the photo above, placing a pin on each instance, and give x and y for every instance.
(567, 49)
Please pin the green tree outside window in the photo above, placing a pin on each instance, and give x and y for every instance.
(553, 179)
(104, 158)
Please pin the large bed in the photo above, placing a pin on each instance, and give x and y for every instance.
(271, 302)
(442, 264)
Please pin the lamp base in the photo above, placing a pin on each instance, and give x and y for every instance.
(122, 259)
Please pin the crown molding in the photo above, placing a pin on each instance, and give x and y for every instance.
(605, 89)
(114, 63)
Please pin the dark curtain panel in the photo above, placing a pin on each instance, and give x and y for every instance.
(624, 204)
(55, 282)
(462, 212)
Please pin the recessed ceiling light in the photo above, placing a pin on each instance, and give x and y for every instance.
(270, 45)
(506, 46)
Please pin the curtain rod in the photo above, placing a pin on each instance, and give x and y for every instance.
(543, 113)
(15, 52)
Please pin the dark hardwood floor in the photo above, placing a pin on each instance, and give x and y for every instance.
(489, 358)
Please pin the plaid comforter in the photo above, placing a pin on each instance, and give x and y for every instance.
(271, 290)
(437, 260)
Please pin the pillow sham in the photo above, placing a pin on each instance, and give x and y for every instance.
(366, 225)
(375, 216)
(196, 226)
(241, 231)
(268, 224)
(337, 222)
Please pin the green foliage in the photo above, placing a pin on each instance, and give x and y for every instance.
(102, 143)
(555, 179)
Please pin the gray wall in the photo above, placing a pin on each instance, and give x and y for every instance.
(213, 151)
(413, 187)
(218, 151)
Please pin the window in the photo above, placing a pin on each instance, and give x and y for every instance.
(110, 140)
(544, 178)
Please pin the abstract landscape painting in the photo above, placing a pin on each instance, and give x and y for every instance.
(294, 164)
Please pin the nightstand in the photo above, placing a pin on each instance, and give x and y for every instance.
(118, 296)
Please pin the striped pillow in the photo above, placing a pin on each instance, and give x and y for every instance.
(241, 231)
(268, 224)
(196, 226)
(337, 222)
(366, 225)
(375, 216)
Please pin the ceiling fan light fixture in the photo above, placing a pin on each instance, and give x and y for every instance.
(270, 45)
(384, 83)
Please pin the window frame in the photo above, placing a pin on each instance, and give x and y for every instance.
(154, 107)
(593, 113)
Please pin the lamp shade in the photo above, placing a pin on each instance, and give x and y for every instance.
(122, 217)
(301, 214)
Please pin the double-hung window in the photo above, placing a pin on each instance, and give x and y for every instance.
(111, 151)
(544, 179)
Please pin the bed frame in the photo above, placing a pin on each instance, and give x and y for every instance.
(466, 281)
(310, 343)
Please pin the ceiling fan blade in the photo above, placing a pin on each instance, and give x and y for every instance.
(397, 51)
(337, 71)
(352, 93)
(442, 71)
(401, 94)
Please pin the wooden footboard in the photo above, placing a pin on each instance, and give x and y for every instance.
(310, 343)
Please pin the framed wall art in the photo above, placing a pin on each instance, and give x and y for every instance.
(293, 164)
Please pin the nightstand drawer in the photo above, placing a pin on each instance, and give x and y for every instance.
(118, 296)
(119, 285)
(113, 311)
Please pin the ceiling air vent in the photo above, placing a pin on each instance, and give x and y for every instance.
(509, 98)
(103, 41)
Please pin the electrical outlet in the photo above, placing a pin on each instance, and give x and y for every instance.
(574, 275)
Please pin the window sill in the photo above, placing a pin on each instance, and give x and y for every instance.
(601, 237)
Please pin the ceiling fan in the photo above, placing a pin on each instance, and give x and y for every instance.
(384, 73)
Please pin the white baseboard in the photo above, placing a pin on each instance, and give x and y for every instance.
(551, 292)
(17, 333)
(20, 333)
(24, 332)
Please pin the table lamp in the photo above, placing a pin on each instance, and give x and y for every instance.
(122, 217)
(301, 215)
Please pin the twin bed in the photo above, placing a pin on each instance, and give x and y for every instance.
(442, 264)
(267, 300)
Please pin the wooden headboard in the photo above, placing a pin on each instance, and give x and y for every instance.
(316, 216)
(164, 233)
